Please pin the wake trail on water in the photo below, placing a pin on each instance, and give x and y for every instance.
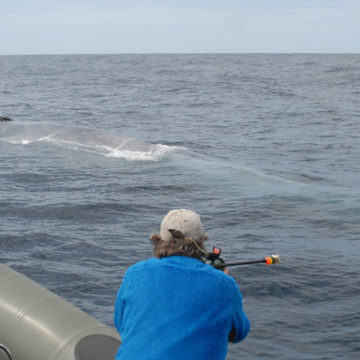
(247, 182)
(103, 143)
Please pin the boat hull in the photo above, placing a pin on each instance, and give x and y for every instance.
(36, 324)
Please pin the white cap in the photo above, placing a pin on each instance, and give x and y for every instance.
(186, 221)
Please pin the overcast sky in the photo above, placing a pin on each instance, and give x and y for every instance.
(178, 26)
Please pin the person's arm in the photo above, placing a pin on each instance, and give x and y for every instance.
(120, 304)
(241, 323)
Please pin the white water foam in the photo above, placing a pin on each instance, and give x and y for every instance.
(155, 153)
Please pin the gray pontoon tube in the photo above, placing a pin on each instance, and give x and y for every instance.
(36, 324)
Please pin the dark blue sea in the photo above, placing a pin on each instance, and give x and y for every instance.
(264, 147)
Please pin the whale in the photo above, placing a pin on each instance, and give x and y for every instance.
(5, 119)
(105, 143)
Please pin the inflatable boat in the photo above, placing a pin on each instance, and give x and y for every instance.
(36, 324)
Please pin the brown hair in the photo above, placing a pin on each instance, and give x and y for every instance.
(183, 247)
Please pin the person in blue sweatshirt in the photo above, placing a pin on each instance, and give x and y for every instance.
(174, 306)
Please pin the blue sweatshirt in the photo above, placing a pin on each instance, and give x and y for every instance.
(177, 308)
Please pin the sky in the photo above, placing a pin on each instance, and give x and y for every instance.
(179, 26)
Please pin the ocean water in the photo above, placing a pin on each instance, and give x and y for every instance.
(264, 147)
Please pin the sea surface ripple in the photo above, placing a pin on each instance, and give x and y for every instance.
(264, 147)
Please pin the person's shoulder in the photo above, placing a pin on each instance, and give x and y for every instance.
(226, 280)
(151, 262)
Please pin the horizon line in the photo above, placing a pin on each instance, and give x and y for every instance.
(186, 53)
